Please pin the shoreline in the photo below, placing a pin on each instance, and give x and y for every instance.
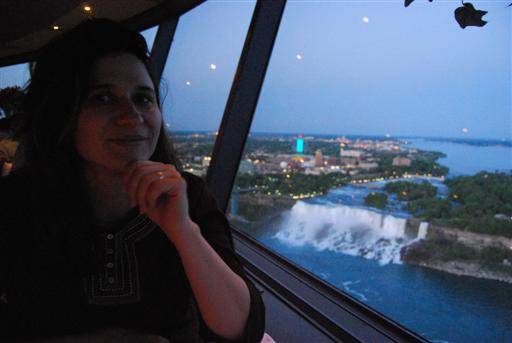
(463, 269)
(436, 251)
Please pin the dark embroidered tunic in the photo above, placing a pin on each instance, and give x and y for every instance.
(136, 282)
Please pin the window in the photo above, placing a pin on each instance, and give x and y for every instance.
(198, 75)
(15, 75)
(149, 35)
(380, 159)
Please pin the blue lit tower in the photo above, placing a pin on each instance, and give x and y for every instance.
(300, 145)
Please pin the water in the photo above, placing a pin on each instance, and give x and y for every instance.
(357, 250)
(465, 159)
(436, 305)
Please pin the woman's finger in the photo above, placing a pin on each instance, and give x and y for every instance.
(172, 184)
(150, 175)
(135, 176)
(155, 178)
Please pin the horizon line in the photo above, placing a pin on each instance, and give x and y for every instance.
(356, 134)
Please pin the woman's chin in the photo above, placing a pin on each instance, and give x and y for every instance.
(126, 156)
(121, 163)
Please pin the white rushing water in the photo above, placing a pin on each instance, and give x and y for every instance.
(422, 230)
(350, 230)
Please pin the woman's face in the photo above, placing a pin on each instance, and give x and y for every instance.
(119, 120)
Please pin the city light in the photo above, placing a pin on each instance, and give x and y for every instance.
(56, 27)
(87, 8)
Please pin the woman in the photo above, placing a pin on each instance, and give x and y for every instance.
(103, 238)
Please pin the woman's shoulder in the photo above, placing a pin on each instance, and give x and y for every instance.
(194, 182)
(200, 198)
(195, 187)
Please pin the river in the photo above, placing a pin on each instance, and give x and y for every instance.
(357, 250)
(465, 159)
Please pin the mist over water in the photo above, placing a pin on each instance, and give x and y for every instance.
(344, 229)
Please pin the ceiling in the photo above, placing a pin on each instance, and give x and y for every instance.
(27, 25)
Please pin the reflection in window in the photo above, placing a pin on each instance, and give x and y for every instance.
(380, 158)
(198, 76)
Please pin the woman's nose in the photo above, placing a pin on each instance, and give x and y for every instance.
(128, 114)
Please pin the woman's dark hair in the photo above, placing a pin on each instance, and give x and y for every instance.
(59, 84)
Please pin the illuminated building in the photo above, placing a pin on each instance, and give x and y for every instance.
(300, 145)
(319, 159)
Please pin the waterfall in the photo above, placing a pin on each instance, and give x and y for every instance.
(345, 229)
(422, 230)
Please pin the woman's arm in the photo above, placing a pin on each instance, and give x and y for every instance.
(222, 296)
(204, 246)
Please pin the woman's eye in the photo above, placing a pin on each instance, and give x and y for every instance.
(101, 98)
(144, 100)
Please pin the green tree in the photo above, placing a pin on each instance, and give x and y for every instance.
(378, 200)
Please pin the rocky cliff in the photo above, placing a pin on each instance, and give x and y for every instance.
(460, 252)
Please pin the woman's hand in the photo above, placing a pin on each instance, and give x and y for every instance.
(159, 191)
(222, 296)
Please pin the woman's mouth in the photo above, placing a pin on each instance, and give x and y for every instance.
(129, 140)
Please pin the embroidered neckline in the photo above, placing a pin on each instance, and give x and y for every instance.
(118, 280)
(117, 226)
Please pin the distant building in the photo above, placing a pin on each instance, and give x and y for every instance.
(349, 162)
(309, 163)
(319, 159)
(246, 166)
(351, 153)
(401, 162)
(206, 161)
(295, 165)
(313, 171)
(367, 166)
(300, 145)
(333, 161)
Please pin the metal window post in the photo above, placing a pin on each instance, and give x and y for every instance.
(243, 99)
(161, 46)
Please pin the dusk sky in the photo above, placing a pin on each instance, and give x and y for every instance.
(365, 67)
